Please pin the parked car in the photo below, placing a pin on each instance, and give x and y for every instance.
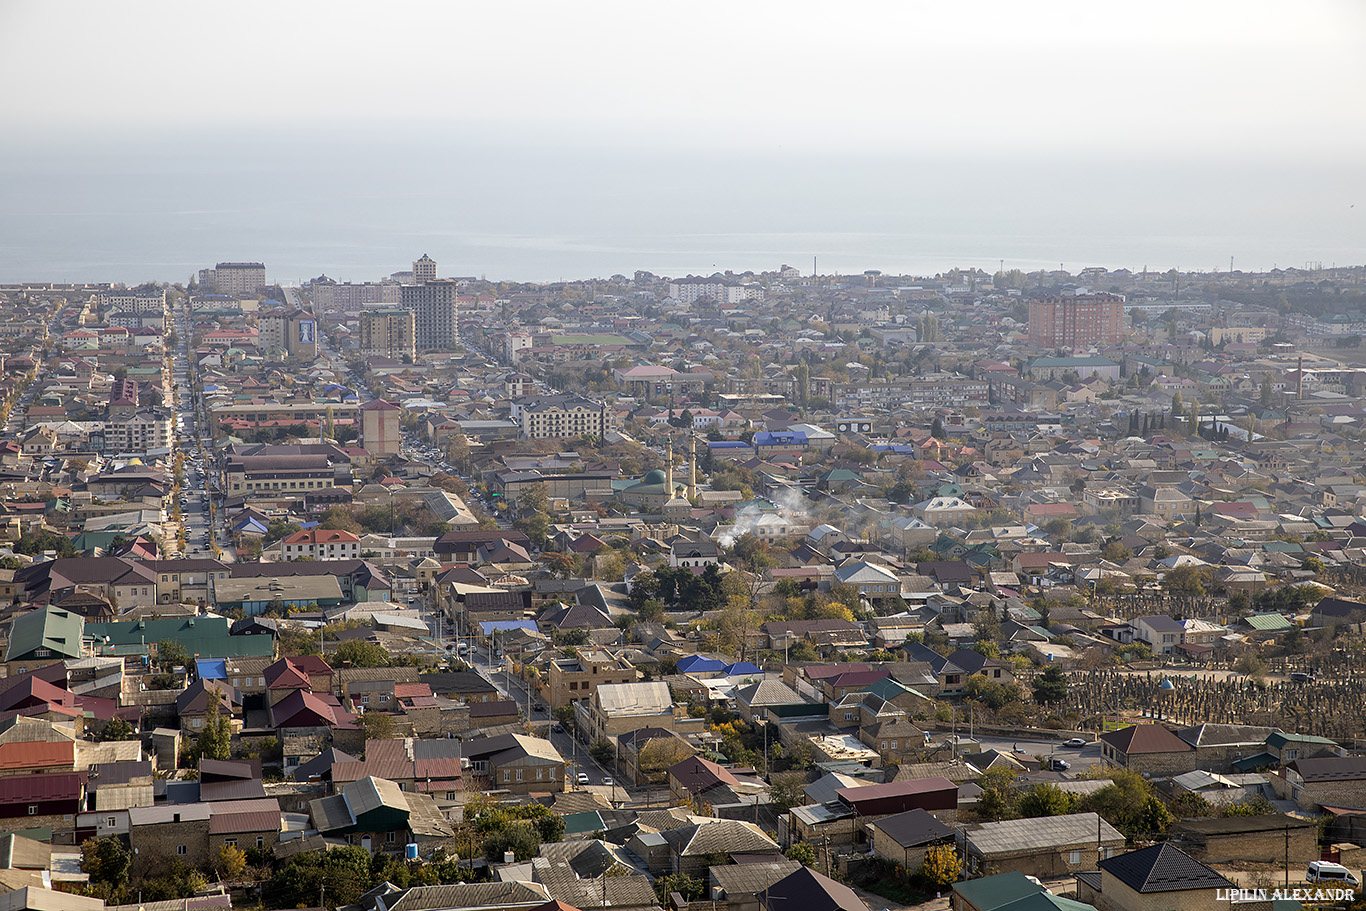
(1076, 742)
(583, 778)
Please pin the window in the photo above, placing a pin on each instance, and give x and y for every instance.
(507, 774)
(181, 849)
(111, 821)
(33, 809)
(539, 773)
(519, 774)
(198, 723)
(230, 842)
(1074, 857)
(389, 837)
(260, 841)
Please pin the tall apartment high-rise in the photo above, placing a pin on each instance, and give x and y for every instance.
(388, 333)
(1076, 322)
(433, 305)
(424, 269)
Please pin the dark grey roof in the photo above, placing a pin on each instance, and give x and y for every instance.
(807, 890)
(1162, 868)
(914, 827)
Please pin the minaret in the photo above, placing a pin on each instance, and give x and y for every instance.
(692, 466)
(669, 472)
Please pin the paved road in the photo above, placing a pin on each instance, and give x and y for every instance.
(572, 750)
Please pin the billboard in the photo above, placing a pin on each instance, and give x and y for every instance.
(307, 332)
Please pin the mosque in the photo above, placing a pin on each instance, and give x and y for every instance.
(658, 491)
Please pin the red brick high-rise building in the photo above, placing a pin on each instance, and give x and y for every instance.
(1076, 322)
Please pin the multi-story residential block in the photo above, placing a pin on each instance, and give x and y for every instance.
(1083, 321)
(233, 278)
(434, 306)
(424, 269)
(559, 416)
(389, 333)
(380, 427)
(134, 301)
(261, 473)
(140, 432)
(574, 679)
(321, 544)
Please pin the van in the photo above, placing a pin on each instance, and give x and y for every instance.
(1323, 871)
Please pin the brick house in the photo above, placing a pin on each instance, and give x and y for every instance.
(1157, 877)
(1147, 748)
(1047, 847)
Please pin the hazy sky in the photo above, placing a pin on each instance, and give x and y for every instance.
(1178, 78)
(536, 140)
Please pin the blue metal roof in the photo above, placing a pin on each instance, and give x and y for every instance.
(211, 669)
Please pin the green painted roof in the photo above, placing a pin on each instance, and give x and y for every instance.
(205, 637)
(991, 892)
(1267, 622)
(57, 630)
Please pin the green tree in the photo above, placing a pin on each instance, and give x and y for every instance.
(602, 752)
(359, 653)
(802, 853)
(106, 861)
(171, 654)
(280, 528)
(1129, 804)
(1115, 552)
(1050, 687)
(1185, 580)
(1046, 799)
(340, 876)
(690, 887)
(937, 429)
(998, 797)
(116, 729)
(215, 740)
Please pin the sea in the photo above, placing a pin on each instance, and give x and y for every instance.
(161, 206)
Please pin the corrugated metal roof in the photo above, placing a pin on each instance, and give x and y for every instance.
(1012, 835)
(37, 755)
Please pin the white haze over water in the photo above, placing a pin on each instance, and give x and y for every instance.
(314, 202)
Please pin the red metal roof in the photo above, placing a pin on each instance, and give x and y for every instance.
(40, 788)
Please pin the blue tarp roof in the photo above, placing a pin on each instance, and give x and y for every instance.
(696, 663)
(211, 668)
(785, 438)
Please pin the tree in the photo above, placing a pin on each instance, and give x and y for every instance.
(377, 725)
(997, 800)
(942, 866)
(1313, 564)
(802, 853)
(229, 862)
(360, 654)
(339, 518)
(1115, 552)
(116, 729)
(107, 861)
(1046, 799)
(1250, 666)
(279, 528)
(687, 886)
(1265, 396)
(601, 751)
(171, 655)
(937, 429)
(1129, 804)
(215, 741)
(1185, 580)
(1050, 687)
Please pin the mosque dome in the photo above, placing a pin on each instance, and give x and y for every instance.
(656, 476)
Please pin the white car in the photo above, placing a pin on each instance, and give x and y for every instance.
(607, 780)
(583, 778)
(1076, 742)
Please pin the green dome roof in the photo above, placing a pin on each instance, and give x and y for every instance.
(653, 477)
